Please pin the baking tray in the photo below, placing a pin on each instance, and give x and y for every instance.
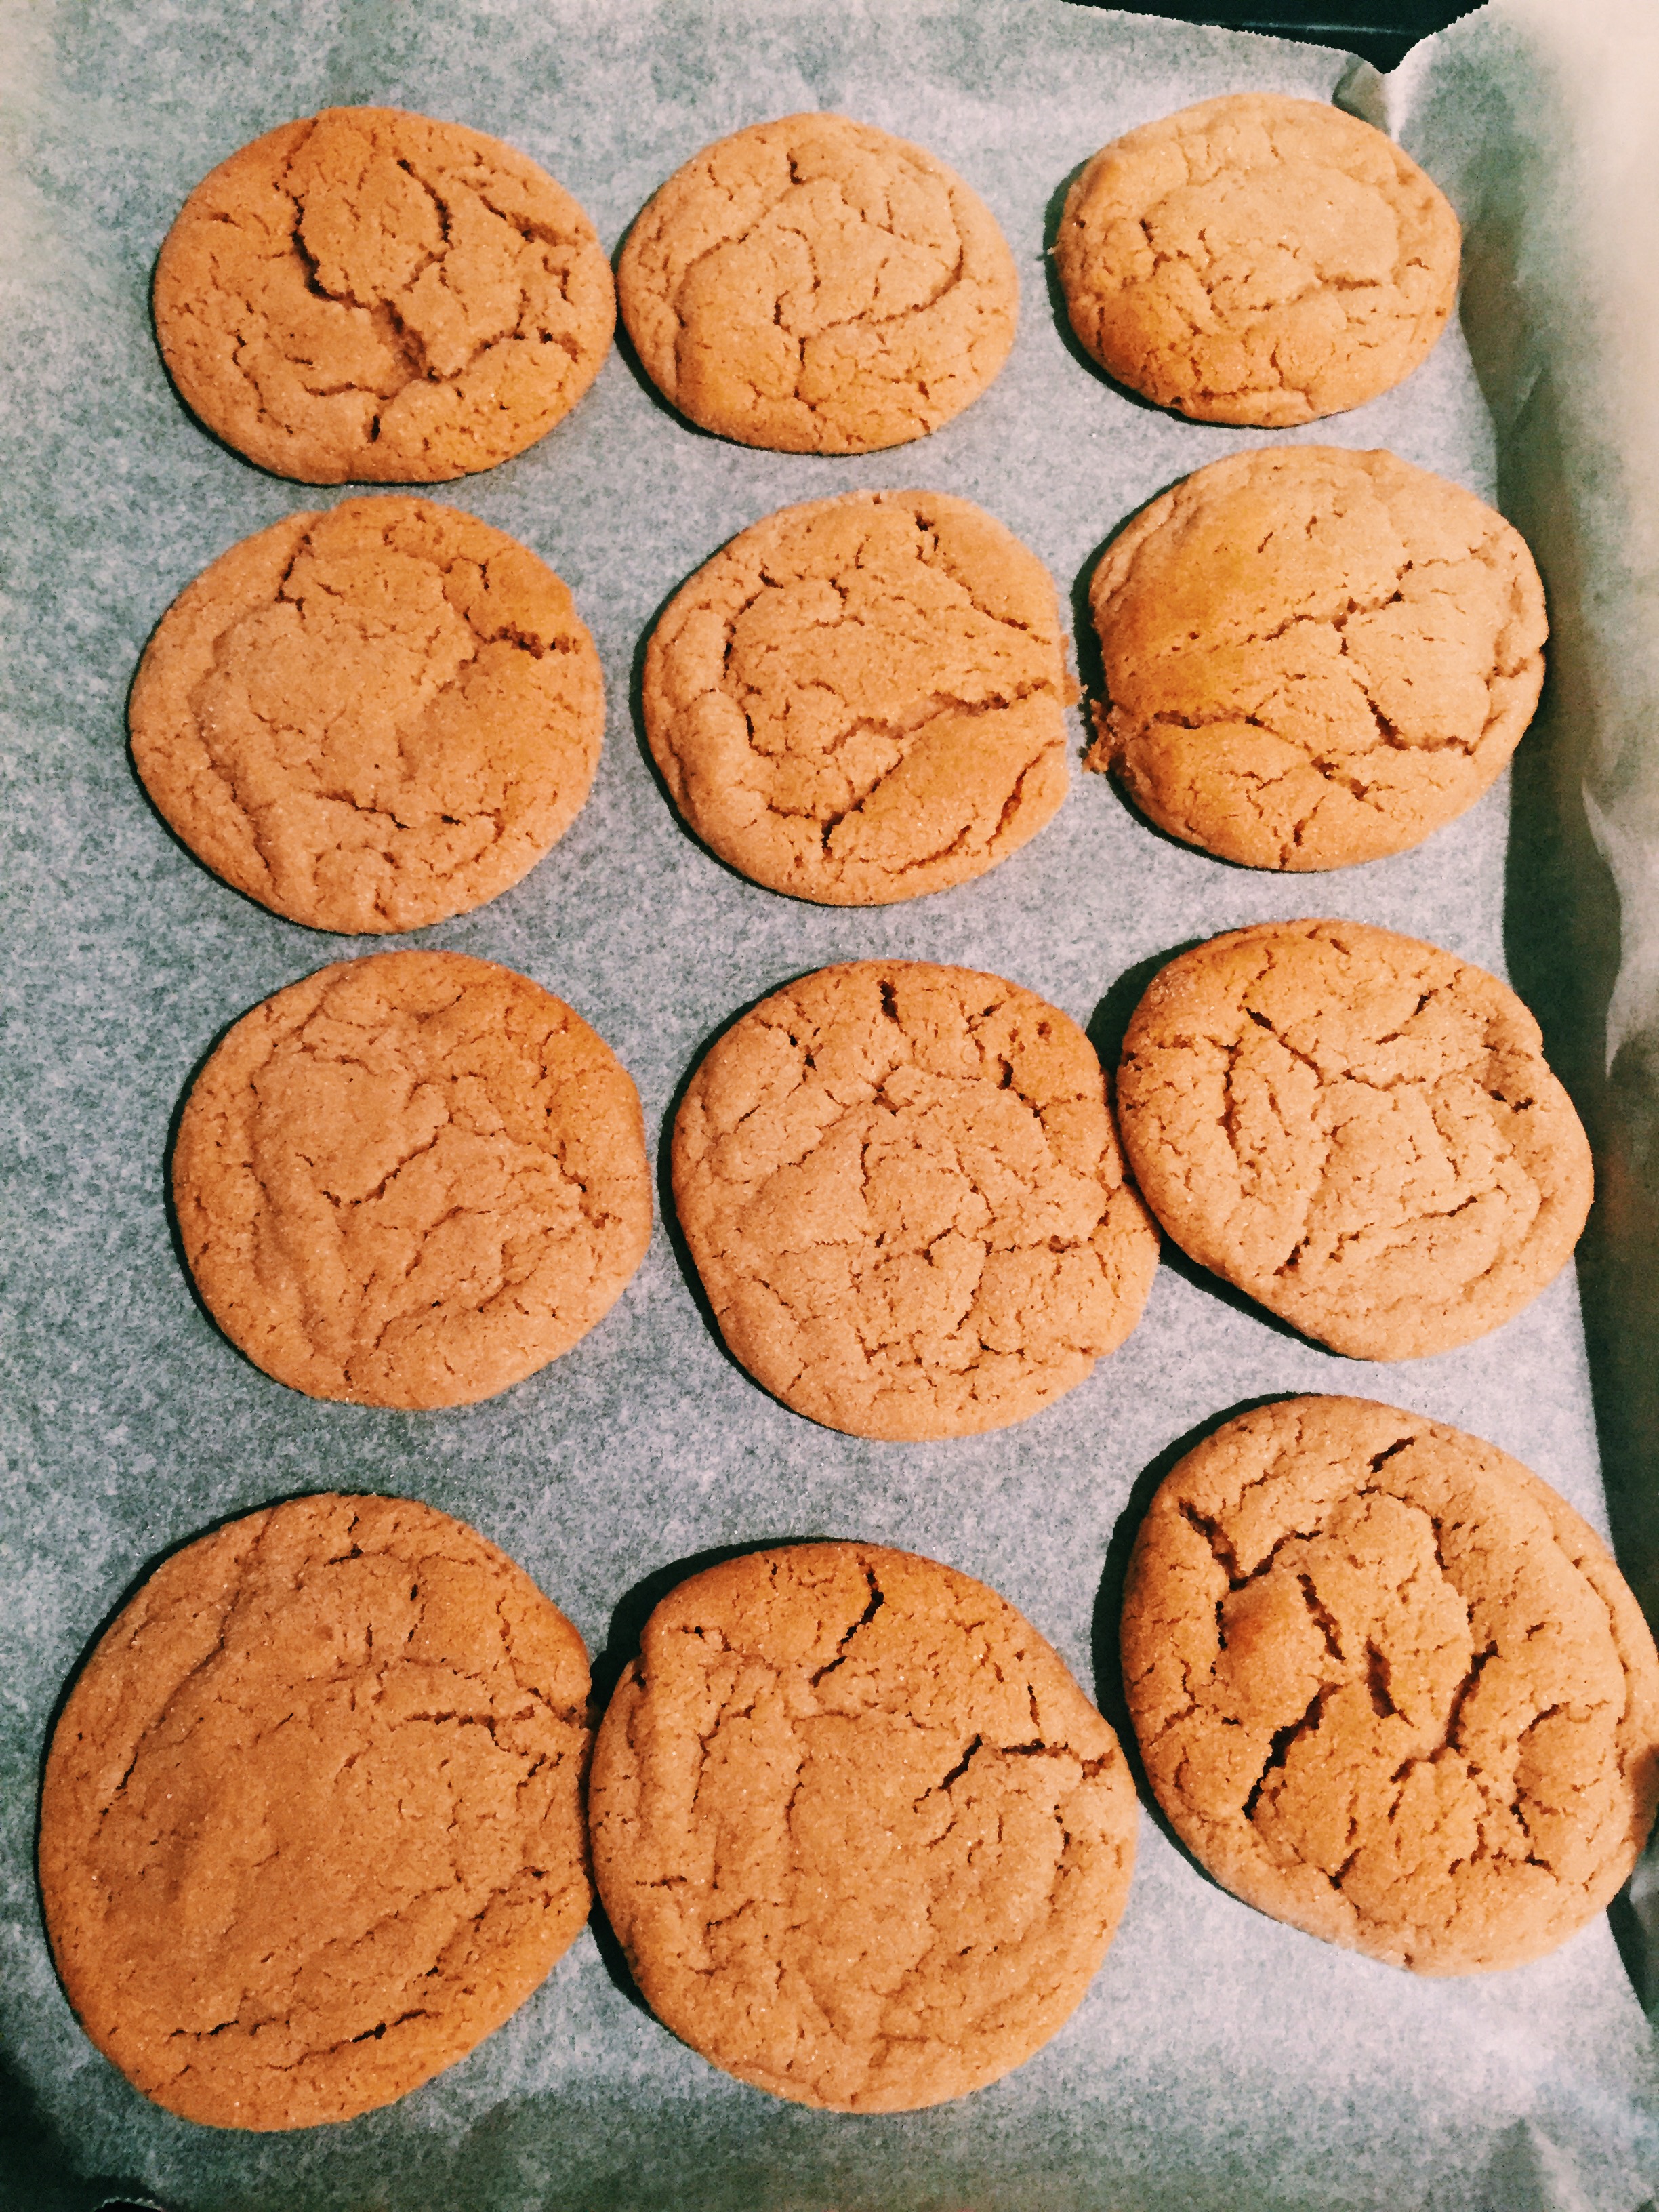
(1220, 2058)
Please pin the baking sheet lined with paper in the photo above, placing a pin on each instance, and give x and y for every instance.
(1217, 2054)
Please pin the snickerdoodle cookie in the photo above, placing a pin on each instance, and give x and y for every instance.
(311, 1825)
(903, 1190)
(411, 1180)
(816, 286)
(1389, 1687)
(862, 699)
(1356, 1128)
(1257, 259)
(372, 296)
(863, 1838)
(372, 718)
(1315, 657)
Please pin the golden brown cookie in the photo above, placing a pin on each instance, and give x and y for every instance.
(1389, 1687)
(370, 295)
(1257, 259)
(1313, 657)
(1358, 1129)
(864, 1840)
(311, 1825)
(903, 1189)
(372, 718)
(816, 286)
(411, 1180)
(862, 699)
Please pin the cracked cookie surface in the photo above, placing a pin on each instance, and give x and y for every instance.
(1257, 258)
(411, 1180)
(863, 1838)
(1313, 657)
(816, 286)
(1358, 1129)
(862, 700)
(1389, 1687)
(372, 718)
(903, 1189)
(371, 296)
(312, 1822)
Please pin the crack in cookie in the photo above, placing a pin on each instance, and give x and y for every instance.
(312, 1823)
(863, 1838)
(901, 1188)
(1356, 1129)
(1313, 657)
(1388, 1687)
(373, 296)
(862, 700)
(813, 285)
(411, 1180)
(1257, 258)
(371, 719)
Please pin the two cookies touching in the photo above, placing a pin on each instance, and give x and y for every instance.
(317, 1813)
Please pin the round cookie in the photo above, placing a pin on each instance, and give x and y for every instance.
(372, 718)
(1313, 657)
(862, 699)
(864, 1840)
(1358, 1129)
(411, 1180)
(371, 296)
(312, 1822)
(903, 1190)
(1389, 1687)
(815, 286)
(1257, 259)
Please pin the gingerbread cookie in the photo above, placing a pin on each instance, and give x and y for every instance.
(862, 699)
(372, 718)
(903, 1190)
(1389, 1687)
(411, 1180)
(1257, 259)
(1313, 657)
(370, 295)
(1358, 1129)
(816, 286)
(311, 1825)
(863, 1838)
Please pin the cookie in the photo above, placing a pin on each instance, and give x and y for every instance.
(312, 1823)
(903, 1190)
(411, 1179)
(372, 296)
(863, 699)
(1313, 657)
(1257, 259)
(1358, 1130)
(816, 286)
(372, 718)
(1389, 1687)
(864, 1840)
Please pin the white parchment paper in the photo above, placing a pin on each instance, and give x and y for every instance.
(1219, 2059)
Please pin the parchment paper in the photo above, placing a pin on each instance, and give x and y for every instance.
(1219, 2059)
